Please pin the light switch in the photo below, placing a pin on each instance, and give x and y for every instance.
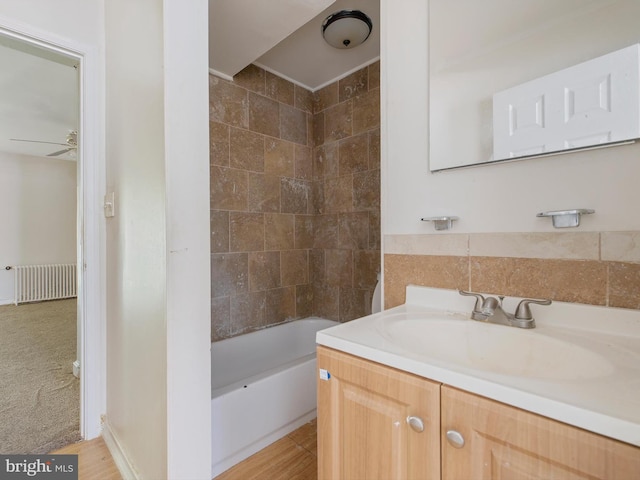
(109, 204)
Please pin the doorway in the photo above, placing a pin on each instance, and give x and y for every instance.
(39, 115)
(82, 139)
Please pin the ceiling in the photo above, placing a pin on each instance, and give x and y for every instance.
(285, 38)
(38, 99)
(39, 92)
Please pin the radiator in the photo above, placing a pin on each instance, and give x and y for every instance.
(36, 283)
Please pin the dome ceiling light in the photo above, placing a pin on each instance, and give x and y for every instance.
(346, 28)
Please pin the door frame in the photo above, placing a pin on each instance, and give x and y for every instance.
(90, 236)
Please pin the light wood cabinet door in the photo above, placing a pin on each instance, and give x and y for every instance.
(503, 442)
(363, 432)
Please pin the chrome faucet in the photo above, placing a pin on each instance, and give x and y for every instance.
(490, 310)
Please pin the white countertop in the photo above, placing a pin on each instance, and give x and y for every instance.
(604, 399)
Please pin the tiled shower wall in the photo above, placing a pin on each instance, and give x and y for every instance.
(346, 250)
(294, 227)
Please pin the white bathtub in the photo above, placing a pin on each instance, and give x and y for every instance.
(263, 386)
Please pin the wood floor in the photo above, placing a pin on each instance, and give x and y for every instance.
(94, 460)
(293, 457)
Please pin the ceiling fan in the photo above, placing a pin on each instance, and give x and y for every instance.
(71, 143)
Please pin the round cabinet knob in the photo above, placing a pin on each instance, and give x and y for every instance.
(455, 439)
(416, 424)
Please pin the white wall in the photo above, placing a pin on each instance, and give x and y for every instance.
(158, 382)
(74, 20)
(495, 198)
(37, 214)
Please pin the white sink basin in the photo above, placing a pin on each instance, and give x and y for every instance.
(492, 348)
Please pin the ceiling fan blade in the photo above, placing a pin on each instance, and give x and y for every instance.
(36, 141)
(60, 152)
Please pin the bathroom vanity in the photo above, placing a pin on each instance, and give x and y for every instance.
(422, 391)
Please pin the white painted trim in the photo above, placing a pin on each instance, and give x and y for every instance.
(311, 89)
(188, 274)
(383, 141)
(117, 453)
(224, 76)
(91, 245)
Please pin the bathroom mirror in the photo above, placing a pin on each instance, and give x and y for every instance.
(477, 49)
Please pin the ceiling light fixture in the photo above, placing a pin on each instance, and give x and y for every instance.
(346, 28)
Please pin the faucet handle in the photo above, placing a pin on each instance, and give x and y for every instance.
(479, 299)
(523, 312)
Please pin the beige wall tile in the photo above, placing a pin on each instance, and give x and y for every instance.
(374, 75)
(374, 230)
(304, 301)
(325, 231)
(295, 267)
(339, 268)
(246, 231)
(624, 285)
(620, 246)
(338, 121)
(325, 161)
(220, 318)
(366, 266)
(326, 301)
(264, 115)
(229, 189)
(219, 222)
(279, 157)
(246, 150)
(278, 231)
(366, 190)
(353, 85)
(279, 89)
(353, 303)
(317, 197)
(303, 231)
(565, 245)
(316, 266)
(580, 281)
(353, 230)
(293, 124)
(303, 99)
(374, 149)
(338, 194)
(228, 103)
(317, 134)
(295, 196)
(303, 163)
(219, 144)
(353, 154)
(426, 270)
(264, 192)
(264, 270)
(247, 312)
(325, 97)
(281, 305)
(229, 274)
(439, 244)
(252, 78)
(366, 111)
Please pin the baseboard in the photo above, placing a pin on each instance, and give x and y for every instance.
(118, 455)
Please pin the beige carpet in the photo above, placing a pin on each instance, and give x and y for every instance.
(39, 396)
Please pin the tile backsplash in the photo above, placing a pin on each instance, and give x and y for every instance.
(598, 268)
